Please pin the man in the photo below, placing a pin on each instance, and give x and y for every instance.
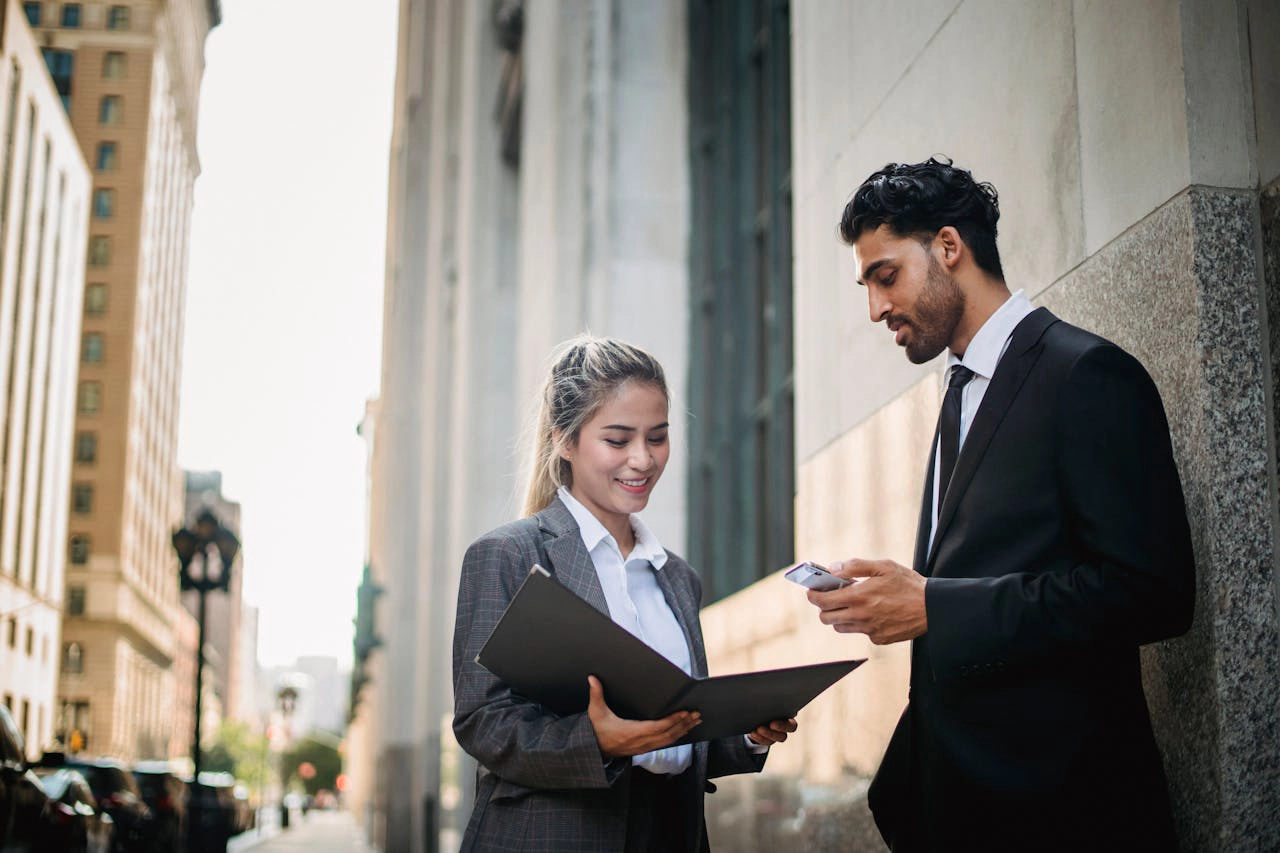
(1053, 542)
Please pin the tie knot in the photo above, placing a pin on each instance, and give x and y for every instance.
(960, 376)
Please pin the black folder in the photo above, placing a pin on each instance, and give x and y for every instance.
(549, 640)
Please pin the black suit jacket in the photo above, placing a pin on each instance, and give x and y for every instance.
(1062, 546)
(544, 785)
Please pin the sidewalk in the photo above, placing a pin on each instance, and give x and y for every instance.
(320, 832)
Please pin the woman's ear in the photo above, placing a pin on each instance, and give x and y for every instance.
(564, 449)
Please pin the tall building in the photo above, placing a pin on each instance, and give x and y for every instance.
(222, 609)
(672, 173)
(129, 75)
(44, 201)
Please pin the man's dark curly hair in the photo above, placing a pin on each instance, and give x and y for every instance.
(919, 199)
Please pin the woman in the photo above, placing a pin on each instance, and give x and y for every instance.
(590, 781)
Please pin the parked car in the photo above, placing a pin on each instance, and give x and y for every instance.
(72, 821)
(166, 795)
(22, 800)
(116, 793)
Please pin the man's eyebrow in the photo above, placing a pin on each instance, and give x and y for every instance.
(869, 271)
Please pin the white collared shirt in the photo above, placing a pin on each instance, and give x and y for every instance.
(982, 355)
(636, 603)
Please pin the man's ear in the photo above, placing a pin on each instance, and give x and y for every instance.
(951, 247)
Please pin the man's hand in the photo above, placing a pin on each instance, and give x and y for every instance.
(887, 604)
(619, 738)
(771, 733)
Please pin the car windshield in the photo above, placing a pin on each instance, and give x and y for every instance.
(54, 782)
(99, 779)
(150, 784)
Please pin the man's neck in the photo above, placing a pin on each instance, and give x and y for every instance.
(981, 301)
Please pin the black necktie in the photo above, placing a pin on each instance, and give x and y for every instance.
(949, 427)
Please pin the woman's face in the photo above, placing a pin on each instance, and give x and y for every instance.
(620, 454)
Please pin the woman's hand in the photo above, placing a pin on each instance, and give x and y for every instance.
(619, 738)
(775, 732)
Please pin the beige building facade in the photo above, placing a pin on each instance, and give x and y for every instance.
(130, 75)
(629, 178)
(44, 208)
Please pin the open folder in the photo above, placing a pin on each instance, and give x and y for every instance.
(549, 640)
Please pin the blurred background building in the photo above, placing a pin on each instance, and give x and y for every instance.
(672, 173)
(44, 209)
(129, 76)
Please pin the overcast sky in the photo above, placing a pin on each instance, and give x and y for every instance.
(284, 307)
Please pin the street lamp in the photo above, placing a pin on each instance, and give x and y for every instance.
(207, 537)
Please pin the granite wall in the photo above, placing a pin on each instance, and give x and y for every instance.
(1181, 290)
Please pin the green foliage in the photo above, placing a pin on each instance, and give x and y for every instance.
(321, 752)
(240, 752)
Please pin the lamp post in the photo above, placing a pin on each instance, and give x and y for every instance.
(197, 546)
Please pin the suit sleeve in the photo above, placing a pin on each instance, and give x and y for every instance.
(516, 739)
(1133, 577)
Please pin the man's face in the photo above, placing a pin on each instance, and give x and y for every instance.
(909, 290)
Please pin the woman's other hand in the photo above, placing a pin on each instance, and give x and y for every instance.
(619, 738)
(775, 732)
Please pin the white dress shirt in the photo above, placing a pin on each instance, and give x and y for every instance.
(636, 603)
(983, 354)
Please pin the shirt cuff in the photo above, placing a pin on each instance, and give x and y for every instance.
(756, 748)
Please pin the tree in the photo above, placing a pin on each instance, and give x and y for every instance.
(320, 751)
(240, 752)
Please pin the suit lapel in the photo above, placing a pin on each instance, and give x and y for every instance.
(570, 562)
(686, 611)
(1012, 370)
(926, 508)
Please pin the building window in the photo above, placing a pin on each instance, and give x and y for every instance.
(82, 498)
(79, 549)
(61, 65)
(13, 632)
(99, 251)
(31, 641)
(109, 109)
(91, 348)
(113, 65)
(118, 18)
(95, 300)
(32, 11)
(73, 659)
(742, 475)
(89, 401)
(71, 15)
(106, 161)
(104, 204)
(87, 447)
(75, 600)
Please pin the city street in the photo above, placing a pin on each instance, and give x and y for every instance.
(320, 832)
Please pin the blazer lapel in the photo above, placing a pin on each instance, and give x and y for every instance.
(686, 612)
(926, 509)
(570, 562)
(1012, 370)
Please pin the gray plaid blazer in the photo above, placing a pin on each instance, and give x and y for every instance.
(543, 784)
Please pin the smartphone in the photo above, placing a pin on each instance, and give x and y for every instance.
(813, 576)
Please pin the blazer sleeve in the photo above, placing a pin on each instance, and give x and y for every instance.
(514, 738)
(1132, 580)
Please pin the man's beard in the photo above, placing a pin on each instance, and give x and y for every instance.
(938, 312)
